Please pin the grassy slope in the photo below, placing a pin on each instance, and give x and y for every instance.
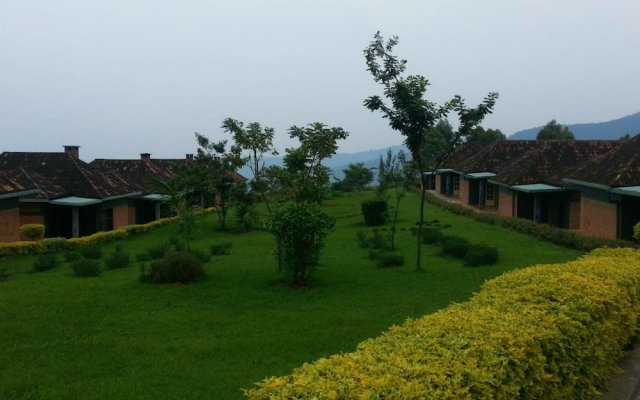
(111, 337)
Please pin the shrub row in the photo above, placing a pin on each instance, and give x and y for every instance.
(59, 244)
(559, 236)
(546, 332)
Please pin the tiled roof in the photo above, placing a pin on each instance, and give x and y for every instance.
(551, 160)
(14, 182)
(494, 156)
(140, 173)
(59, 174)
(618, 167)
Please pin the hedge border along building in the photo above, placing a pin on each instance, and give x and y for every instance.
(592, 187)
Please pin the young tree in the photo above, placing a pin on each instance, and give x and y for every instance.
(255, 141)
(356, 177)
(411, 114)
(398, 174)
(215, 168)
(303, 177)
(554, 131)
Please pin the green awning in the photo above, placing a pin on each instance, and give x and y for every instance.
(75, 201)
(156, 197)
(537, 188)
(480, 175)
(627, 191)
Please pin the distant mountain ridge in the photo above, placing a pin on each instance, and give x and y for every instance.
(610, 130)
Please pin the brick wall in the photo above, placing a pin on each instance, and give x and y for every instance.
(505, 203)
(598, 218)
(120, 216)
(574, 215)
(132, 215)
(464, 191)
(9, 225)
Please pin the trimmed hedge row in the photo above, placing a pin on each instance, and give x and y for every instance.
(559, 236)
(546, 332)
(58, 244)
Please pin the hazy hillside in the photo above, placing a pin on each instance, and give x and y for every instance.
(610, 130)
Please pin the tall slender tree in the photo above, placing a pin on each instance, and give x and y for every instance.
(410, 113)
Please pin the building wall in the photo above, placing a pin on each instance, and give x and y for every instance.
(505, 203)
(598, 218)
(438, 183)
(574, 215)
(132, 215)
(120, 216)
(464, 191)
(9, 224)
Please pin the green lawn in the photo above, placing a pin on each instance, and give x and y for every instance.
(111, 337)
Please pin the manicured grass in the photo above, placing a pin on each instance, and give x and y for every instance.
(113, 337)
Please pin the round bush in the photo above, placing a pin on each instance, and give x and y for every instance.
(177, 267)
(455, 246)
(117, 259)
(45, 262)
(481, 254)
(431, 235)
(388, 259)
(374, 211)
(636, 231)
(91, 253)
(86, 267)
(32, 231)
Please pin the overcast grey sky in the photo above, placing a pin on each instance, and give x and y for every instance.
(124, 77)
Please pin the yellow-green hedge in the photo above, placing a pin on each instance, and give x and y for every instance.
(56, 244)
(545, 332)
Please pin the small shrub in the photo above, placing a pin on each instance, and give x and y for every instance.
(71, 256)
(636, 231)
(176, 267)
(221, 249)
(201, 255)
(86, 267)
(32, 231)
(157, 252)
(118, 259)
(4, 274)
(389, 259)
(455, 246)
(374, 211)
(376, 241)
(481, 254)
(91, 252)
(45, 262)
(176, 244)
(55, 244)
(431, 235)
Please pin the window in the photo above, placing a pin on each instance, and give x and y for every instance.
(491, 192)
(456, 183)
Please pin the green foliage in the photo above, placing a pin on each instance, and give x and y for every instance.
(431, 235)
(86, 267)
(300, 230)
(554, 131)
(386, 259)
(546, 332)
(70, 256)
(246, 215)
(220, 249)
(91, 252)
(374, 211)
(45, 262)
(32, 231)
(176, 267)
(118, 259)
(55, 244)
(481, 254)
(636, 231)
(455, 246)
(356, 177)
(154, 253)
(480, 135)
(376, 241)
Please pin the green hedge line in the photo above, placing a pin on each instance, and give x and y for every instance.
(559, 236)
(545, 332)
(59, 244)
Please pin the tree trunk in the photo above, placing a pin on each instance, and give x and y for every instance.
(421, 220)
